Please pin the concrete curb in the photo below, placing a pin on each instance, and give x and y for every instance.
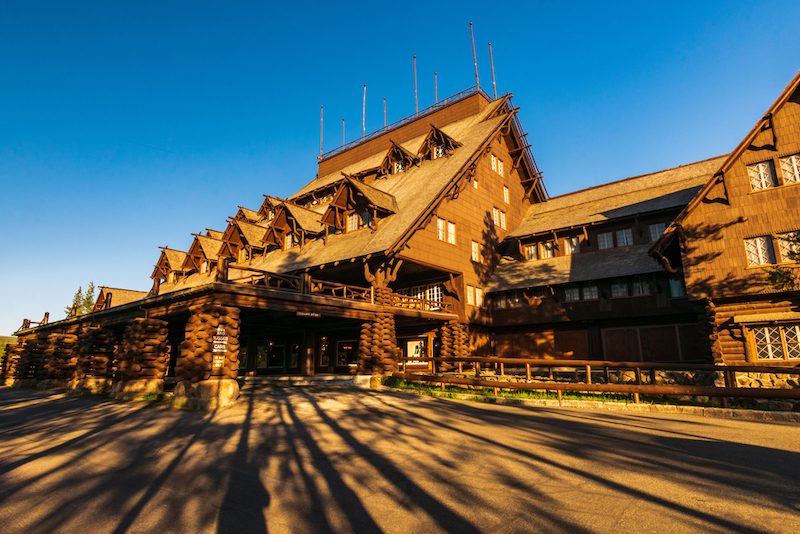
(362, 381)
(699, 411)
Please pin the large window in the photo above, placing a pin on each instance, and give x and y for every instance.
(291, 241)
(790, 166)
(624, 237)
(531, 252)
(509, 299)
(474, 296)
(572, 292)
(438, 152)
(572, 245)
(358, 220)
(505, 194)
(477, 252)
(619, 287)
(446, 231)
(656, 230)
(779, 342)
(548, 249)
(759, 250)
(788, 246)
(639, 286)
(605, 240)
(762, 175)
(499, 218)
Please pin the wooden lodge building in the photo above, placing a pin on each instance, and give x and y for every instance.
(436, 236)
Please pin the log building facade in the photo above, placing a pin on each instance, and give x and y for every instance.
(436, 236)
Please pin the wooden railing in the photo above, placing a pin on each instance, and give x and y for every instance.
(403, 301)
(342, 291)
(642, 385)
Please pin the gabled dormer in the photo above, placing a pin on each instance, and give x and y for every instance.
(317, 198)
(437, 145)
(202, 255)
(214, 234)
(292, 226)
(397, 160)
(269, 208)
(248, 215)
(169, 266)
(242, 241)
(356, 205)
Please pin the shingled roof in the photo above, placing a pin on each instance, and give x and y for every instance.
(210, 246)
(625, 198)
(119, 296)
(611, 263)
(307, 219)
(376, 197)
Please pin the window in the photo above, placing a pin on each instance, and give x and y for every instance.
(762, 175)
(478, 296)
(494, 163)
(291, 241)
(477, 252)
(499, 167)
(548, 248)
(470, 295)
(572, 245)
(475, 184)
(438, 151)
(496, 216)
(531, 252)
(509, 299)
(619, 288)
(639, 286)
(434, 292)
(271, 215)
(790, 166)
(352, 222)
(204, 266)
(572, 292)
(759, 250)
(171, 277)
(505, 194)
(624, 237)
(503, 220)
(788, 246)
(446, 231)
(779, 342)
(676, 288)
(590, 290)
(605, 240)
(399, 166)
(656, 230)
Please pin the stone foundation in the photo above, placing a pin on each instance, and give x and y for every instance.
(206, 394)
(52, 383)
(94, 386)
(136, 389)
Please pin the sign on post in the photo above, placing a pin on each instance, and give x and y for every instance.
(220, 343)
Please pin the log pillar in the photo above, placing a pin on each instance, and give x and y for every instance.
(208, 365)
(377, 348)
(455, 342)
(94, 353)
(141, 359)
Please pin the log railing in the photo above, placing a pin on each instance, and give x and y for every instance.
(648, 386)
(403, 301)
(342, 291)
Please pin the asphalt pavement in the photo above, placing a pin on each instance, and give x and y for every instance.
(338, 459)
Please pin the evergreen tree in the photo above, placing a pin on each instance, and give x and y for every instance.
(82, 302)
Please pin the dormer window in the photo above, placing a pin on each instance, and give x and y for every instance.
(271, 215)
(291, 241)
(204, 266)
(356, 221)
(399, 166)
(438, 152)
(172, 277)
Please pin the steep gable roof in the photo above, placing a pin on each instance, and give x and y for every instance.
(118, 296)
(625, 198)
(245, 214)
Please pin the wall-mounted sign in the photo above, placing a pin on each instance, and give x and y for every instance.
(309, 314)
(220, 346)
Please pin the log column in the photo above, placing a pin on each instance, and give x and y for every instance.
(60, 359)
(455, 342)
(378, 352)
(141, 359)
(94, 351)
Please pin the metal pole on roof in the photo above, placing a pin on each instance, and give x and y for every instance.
(384, 112)
(320, 131)
(435, 88)
(416, 101)
(494, 85)
(474, 57)
(364, 114)
(342, 132)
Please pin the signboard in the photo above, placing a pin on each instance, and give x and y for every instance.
(220, 346)
(309, 314)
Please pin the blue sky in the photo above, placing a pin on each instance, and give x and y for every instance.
(125, 126)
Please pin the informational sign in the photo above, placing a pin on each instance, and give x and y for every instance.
(220, 343)
(309, 314)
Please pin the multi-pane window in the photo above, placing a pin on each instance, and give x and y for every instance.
(572, 245)
(790, 165)
(762, 175)
(548, 249)
(759, 250)
(779, 342)
(499, 218)
(590, 290)
(291, 241)
(656, 230)
(503, 220)
(497, 165)
(605, 240)
(505, 194)
(676, 288)
(438, 151)
(494, 163)
(470, 295)
(478, 296)
(788, 246)
(204, 266)
(639, 286)
(475, 184)
(619, 288)
(572, 292)
(446, 231)
(430, 292)
(399, 166)
(477, 252)
(353, 222)
(624, 237)
(531, 252)
(271, 215)
(509, 299)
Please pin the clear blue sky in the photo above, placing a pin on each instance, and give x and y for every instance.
(125, 126)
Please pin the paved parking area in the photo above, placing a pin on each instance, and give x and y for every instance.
(310, 459)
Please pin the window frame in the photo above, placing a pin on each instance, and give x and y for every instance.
(627, 235)
(572, 245)
(792, 161)
(762, 177)
(606, 238)
(783, 343)
(768, 250)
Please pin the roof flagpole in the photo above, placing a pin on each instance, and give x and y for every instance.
(342, 132)
(364, 114)
(474, 57)
(494, 85)
(435, 88)
(384, 112)
(320, 131)
(416, 101)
